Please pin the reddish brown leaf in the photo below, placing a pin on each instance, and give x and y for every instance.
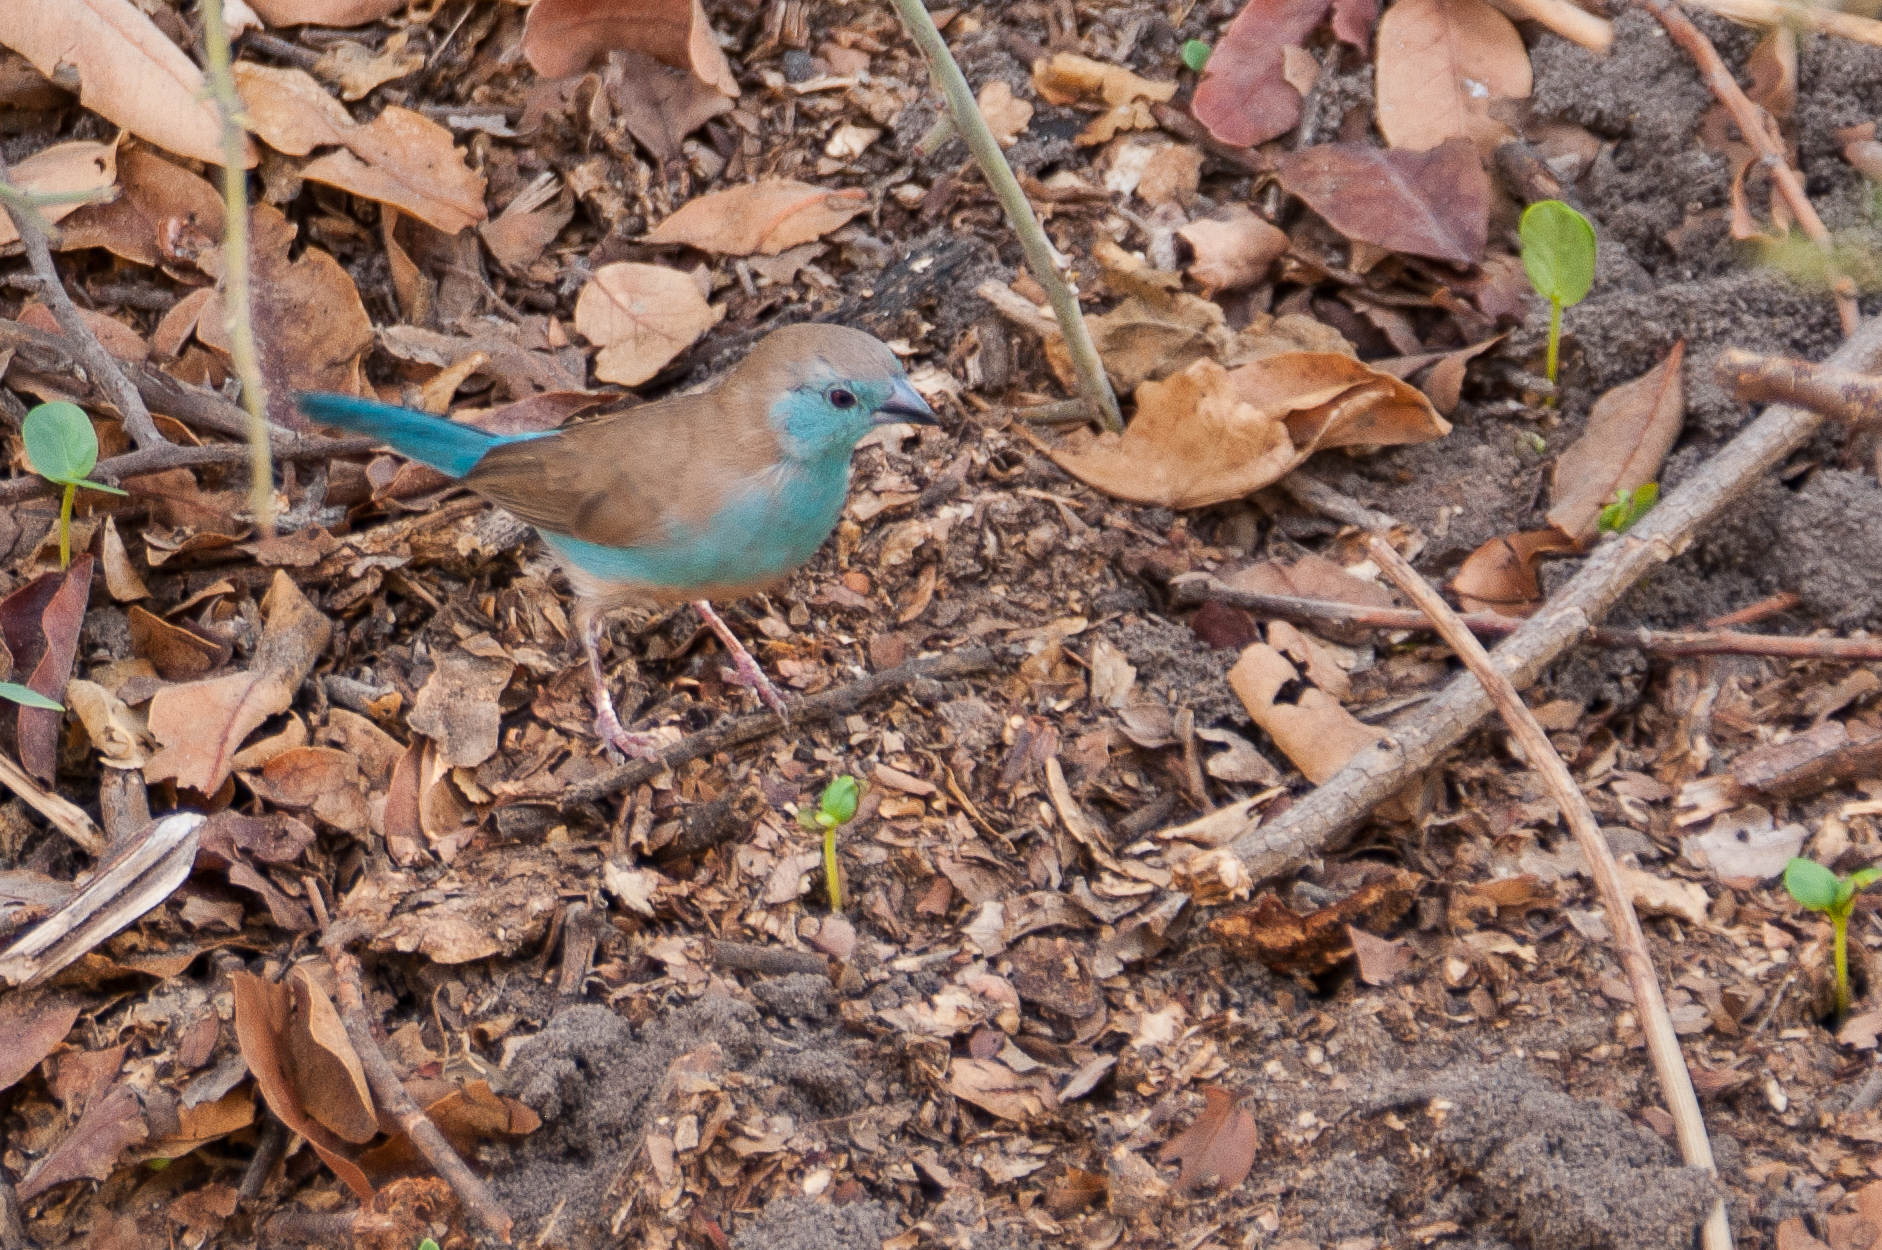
(1243, 98)
(760, 217)
(1440, 65)
(262, 1019)
(31, 1024)
(1629, 432)
(564, 37)
(1501, 574)
(1218, 1150)
(1353, 21)
(40, 623)
(112, 1121)
(1434, 203)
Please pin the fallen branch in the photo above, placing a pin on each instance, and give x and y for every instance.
(1317, 496)
(62, 814)
(1817, 17)
(1195, 589)
(837, 701)
(1834, 393)
(91, 353)
(389, 1092)
(1040, 256)
(1321, 820)
(1751, 120)
(175, 456)
(1669, 1064)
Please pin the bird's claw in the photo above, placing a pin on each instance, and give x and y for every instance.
(618, 739)
(749, 675)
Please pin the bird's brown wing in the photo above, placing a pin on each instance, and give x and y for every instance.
(620, 480)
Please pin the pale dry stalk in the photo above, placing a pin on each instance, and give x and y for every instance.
(1838, 394)
(1820, 18)
(1630, 943)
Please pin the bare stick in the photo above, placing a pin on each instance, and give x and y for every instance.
(390, 1093)
(1669, 1064)
(1817, 17)
(1193, 589)
(91, 353)
(1322, 819)
(236, 303)
(1835, 393)
(1040, 257)
(1750, 120)
(1571, 22)
(67, 817)
(176, 456)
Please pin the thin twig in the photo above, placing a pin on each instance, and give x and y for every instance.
(236, 298)
(1570, 21)
(1630, 943)
(1316, 495)
(12, 1227)
(97, 361)
(1195, 589)
(1817, 17)
(268, 1152)
(1318, 822)
(65, 816)
(176, 456)
(834, 702)
(1751, 120)
(389, 1092)
(1040, 256)
(1838, 394)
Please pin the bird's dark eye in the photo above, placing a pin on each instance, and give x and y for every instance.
(840, 398)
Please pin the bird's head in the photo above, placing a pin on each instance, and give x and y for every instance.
(829, 386)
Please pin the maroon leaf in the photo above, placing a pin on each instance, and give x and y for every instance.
(1434, 203)
(112, 1121)
(1223, 628)
(31, 1025)
(1219, 1148)
(1353, 21)
(1243, 99)
(40, 623)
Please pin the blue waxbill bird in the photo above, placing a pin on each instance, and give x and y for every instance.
(716, 495)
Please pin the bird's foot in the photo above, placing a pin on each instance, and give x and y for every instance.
(745, 671)
(616, 737)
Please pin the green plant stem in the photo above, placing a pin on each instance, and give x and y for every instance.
(832, 881)
(1555, 343)
(1840, 924)
(65, 526)
(946, 73)
(236, 302)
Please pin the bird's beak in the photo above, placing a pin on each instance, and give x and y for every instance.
(905, 404)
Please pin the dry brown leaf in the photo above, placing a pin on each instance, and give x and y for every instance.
(202, 724)
(1306, 722)
(1244, 97)
(1380, 961)
(356, 69)
(1067, 78)
(760, 217)
(1440, 65)
(400, 158)
(317, 779)
(112, 1120)
(529, 223)
(32, 1024)
(327, 1071)
(1434, 203)
(120, 341)
(564, 37)
(1218, 1150)
(1329, 400)
(660, 105)
(1000, 1091)
(177, 653)
(63, 168)
(1629, 432)
(1501, 575)
(457, 707)
(324, 12)
(641, 317)
(1172, 176)
(1006, 116)
(164, 213)
(1772, 66)
(128, 70)
(1232, 249)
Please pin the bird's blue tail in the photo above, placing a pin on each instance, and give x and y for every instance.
(447, 446)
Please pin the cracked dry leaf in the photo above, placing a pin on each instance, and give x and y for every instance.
(1006, 116)
(356, 69)
(1218, 1150)
(1232, 249)
(129, 72)
(564, 37)
(1067, 78)
(1000, 1091)
(641, 317)
(63, 168)
(457, 707)
(1308, 724)
(1629, 432)
(1502, 574)
(1432, 203)
(764, 217)
(400, 158)
(1440, 65)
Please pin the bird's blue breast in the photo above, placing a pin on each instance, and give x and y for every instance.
(761, 532)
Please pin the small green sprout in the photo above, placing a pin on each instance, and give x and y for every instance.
(1627, 508)
(836, 807)
(1819, 889)
(1196, 55)
(427, 1244)
(63, 448)
(1529, 440)
(1558, 253)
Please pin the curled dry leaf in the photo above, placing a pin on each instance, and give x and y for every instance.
(263, 1020)
(760, 217)
(1234, 249)
(1000, 1091)
(164, 214)
(324, 12)
(1207, 435)
(1629, 432)
(129, 72)
(1218, 1150)
(62, 169)
(1244, 97)
(1306, 722)
(564, 37)
(1434, 203)
(400, 158)
(1440, 65)
(40, 623)
(1068, 78)
(641, 316)
(1501, 575)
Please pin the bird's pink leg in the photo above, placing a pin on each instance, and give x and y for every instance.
(608, 725)
(748, 673)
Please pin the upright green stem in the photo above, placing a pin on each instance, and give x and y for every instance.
(1555, 342)
(1841, 926)
(236, 303)
(1092, 381)
(832, 880)
(65, 526)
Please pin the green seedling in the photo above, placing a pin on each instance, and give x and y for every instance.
(1627, 508)
(1558, 254)
(1196, 55)
(836, 808)
(1529, 440)
(427, 1244)
(63, 448)
(1819, 889)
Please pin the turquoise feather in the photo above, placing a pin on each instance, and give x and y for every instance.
(447, 446)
